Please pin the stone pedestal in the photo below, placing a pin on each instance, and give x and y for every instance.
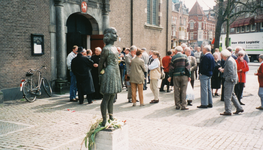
(112, 140)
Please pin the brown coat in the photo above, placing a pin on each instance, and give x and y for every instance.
(137, 71)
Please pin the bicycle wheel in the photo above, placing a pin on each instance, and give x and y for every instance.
(29, 95)
(47, 87)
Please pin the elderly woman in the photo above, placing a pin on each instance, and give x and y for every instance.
(242, 68)
(216, 77)
(137, 77)
(155, 74)
(260, 81)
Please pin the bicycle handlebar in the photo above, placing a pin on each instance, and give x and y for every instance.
(32, 70)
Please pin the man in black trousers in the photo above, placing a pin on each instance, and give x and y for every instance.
(81, 67)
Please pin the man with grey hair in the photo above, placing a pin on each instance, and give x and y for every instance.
(231, 78)
(183, 45)
(145, 58)
(206, 71)
(179, 71)
(95, 73)
(128, 59)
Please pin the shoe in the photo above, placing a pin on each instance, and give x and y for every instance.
(216, 94)
(242, 103)
(184, 108)
(210, 105)
(161, 90)
(226, 114)
(142, 105)
(189, 104)
(73, 100)
(169, 91)
(148, 82)
(134, 104)
(129, 101)
(177, 107)
(202, 106)
(154, 101)
(221, 100)
(137, 100)
(260, 108)
(90, 102)
(238, 111)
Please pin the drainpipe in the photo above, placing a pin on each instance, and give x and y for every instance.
(131, 22)
(167, 23)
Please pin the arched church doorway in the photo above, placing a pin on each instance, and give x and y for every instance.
(82, 31)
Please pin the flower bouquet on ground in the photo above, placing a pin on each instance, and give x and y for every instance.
(96, 127)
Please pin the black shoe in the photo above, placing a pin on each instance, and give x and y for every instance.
(137, 101)
(161, 90)
(169, 91)
(238, 111)
(148, 82)
(242, 103)
(210, 105)
(177, 107)
(216, 94)
(72, 100)
(129, 101)
(90, 102)
(202, 106)
(226, 114)
(221, 100)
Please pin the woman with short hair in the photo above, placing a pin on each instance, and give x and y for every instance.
(242, 68)
(155, 74)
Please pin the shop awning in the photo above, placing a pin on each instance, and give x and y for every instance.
(242, 22)
(259, 18)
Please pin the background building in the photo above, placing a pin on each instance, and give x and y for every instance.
(64, 23)
(179, 23)
(246, 31)
(201, 27)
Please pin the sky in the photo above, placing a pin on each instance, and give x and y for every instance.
(203, 3)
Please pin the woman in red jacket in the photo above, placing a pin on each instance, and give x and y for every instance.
(242, 68)
(260, 81)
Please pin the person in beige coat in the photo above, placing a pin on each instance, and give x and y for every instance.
(155, 75)
(137, 77)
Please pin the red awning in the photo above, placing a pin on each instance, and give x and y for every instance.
(242, 22)
(259, 18)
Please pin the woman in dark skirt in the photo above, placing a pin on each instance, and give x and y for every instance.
(216, 78)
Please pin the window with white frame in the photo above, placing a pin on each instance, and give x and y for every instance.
(152, 12)
(237, 29)
(247, 28)
(192, 25)
(199, 25)
(232, 30)
(191, 36)
(242, 28)
(253, 27)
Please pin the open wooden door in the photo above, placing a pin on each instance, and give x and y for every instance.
(96, 41)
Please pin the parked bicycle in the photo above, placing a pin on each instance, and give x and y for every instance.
(30, 90)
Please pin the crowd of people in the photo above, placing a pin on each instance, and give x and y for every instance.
(225, 70)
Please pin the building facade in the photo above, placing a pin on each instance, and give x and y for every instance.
(179, 23)
(201, 27)
(64, 23)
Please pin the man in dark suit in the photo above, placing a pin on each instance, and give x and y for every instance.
(81, 67)
(231, 78)
(206, 71)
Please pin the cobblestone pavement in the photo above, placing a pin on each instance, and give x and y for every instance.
(55, 123)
